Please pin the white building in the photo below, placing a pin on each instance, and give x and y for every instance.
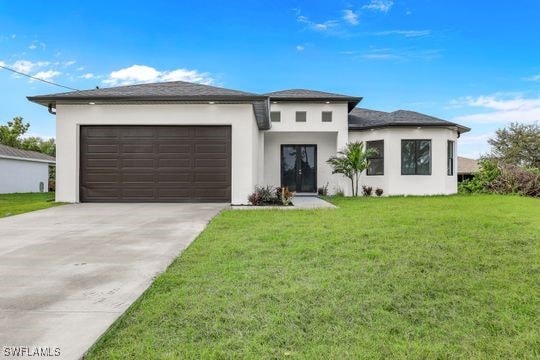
(23, 171)
(185, 142)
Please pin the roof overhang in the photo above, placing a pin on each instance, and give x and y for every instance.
(27, 159)
(351, 101)
(460, 128)
(260, 104)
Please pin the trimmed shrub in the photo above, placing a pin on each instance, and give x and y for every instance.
(367, 190)
(379, 191)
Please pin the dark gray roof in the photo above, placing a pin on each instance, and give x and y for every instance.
(362, 119)
(312, 95)
(10, 152)
(181, 91)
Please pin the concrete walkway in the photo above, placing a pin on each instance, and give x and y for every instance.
(67, 273)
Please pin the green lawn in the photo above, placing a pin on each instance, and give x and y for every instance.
(13, 204)
(418, 277)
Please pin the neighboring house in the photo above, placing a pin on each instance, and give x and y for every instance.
(180, 141)
(467, 168)
(23, 171)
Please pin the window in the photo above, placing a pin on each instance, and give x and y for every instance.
(301, 116)
(415, 157)
(376, 158)
(275, 116)
(450, 160)
(327, 116)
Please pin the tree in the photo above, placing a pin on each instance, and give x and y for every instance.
(519, 144)
(11, 133)
(350, 162)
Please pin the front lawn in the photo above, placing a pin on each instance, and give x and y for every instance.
(13, 204)
(415, 277)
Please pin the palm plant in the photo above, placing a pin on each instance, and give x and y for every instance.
(350, 162)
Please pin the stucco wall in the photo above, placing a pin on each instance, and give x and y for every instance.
(393, 183)
(244, 137)
(326, 147)
(18, 176)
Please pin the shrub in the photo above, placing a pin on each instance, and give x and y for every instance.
(367, 190)
(500, 178)
(323, 190)
(378, 191)
(270, 195)
(284, 196)
(339, 192)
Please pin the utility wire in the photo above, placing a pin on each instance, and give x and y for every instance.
(35, 78)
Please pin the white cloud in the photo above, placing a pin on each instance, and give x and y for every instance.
(350, 16)
(405, 33)
(500, 109)
(87, 76)
(47, 75)
(397, 54)
(32, 46)
(534, 78)
(137, 74)
(318, 26)
(379, 5)
(300, 47)
(26, 66)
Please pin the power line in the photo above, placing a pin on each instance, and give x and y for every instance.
(35, 78)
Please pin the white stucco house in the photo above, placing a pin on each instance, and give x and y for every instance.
(23, 171)
(186, 142)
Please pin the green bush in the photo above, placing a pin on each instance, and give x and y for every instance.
(499, 178)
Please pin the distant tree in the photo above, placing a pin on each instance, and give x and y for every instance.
(35, 143)
(519, 144)
(11, 133)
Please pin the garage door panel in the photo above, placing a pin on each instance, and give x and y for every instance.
(101, 148)
(155, 163)
(175, 149)
(138, 163)
(103, 163)
(137, 148)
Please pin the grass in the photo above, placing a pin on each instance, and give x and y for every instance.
(417, 277)
(13, 204)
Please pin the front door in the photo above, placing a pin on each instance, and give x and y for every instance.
(299, 168)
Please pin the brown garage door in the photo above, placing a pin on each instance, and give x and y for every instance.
(155, 164)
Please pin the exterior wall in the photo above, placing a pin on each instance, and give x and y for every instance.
(326, 147)
(392, 182)
(328, 136)
(244, 148)
(20, 176)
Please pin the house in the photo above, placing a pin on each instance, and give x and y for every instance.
(186, 142)
(23, 171)
(467, 168)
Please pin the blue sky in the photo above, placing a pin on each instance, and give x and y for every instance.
(474, 62)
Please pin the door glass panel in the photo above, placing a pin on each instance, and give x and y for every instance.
(288, 167)
(308, 171)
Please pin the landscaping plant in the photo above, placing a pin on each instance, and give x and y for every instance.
(351, 162)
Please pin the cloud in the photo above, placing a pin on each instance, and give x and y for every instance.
(500, 109)
(26, 66)
(379, 5)
(47, 75)
(300, 47)
(350, 16)
(405, 33)
(318, 26)
(137, 74)
(34, 45)
(396, 54)
(87, 76)
(533, 78)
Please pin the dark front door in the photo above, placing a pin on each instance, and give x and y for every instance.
(299, 167)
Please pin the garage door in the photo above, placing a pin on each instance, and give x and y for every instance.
(155, 164)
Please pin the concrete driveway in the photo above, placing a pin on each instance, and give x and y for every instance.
(67, 273)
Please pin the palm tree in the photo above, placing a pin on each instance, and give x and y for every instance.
(350, 162)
